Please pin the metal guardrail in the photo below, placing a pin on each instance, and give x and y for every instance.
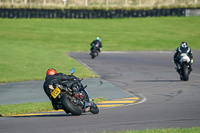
(192, 12)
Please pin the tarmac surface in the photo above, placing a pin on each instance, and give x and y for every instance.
(32, 91)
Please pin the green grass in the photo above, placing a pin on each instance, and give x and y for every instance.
(167, 130)
(30, 46)
(97, 100)
(14, 109)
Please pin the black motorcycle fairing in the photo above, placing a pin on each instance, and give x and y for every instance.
(68, 83)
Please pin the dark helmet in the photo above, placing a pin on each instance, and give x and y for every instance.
(51, 71)
(184, 45)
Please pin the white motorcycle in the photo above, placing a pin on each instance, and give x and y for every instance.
(184, 67)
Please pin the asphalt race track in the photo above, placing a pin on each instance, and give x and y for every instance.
(167, 101)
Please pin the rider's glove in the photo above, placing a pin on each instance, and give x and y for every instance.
(191, 60)
(173, 61)
(51, 87)
(80, 79)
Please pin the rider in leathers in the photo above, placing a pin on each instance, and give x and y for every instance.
(52, 80)
(183, 49)
(96, 42)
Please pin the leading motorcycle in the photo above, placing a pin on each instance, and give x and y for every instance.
(94, 51)
(76, 104)
(184, 67)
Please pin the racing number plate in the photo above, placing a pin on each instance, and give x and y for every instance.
(55, 92)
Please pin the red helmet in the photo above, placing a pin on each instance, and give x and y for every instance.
(51, 71)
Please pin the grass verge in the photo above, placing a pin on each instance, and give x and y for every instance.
(14, 109)
(167, 130)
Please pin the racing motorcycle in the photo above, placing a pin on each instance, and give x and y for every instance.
(184, 67)
(94, 51)
(76, 104)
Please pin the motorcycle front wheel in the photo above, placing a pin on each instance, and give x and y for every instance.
(185, 72)
(94, 109)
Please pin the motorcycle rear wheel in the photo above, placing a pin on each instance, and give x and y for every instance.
(67, 105)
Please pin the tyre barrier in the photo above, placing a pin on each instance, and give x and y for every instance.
(88, 14)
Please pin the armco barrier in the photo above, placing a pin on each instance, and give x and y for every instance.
(87, 14)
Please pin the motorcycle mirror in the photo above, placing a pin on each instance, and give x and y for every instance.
(72, 71)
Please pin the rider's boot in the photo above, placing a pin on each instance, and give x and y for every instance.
(190, 68)
(55, 104)
(88, 107)
(57, 107)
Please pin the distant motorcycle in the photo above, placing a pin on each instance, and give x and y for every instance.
(184, 67)
(94, 51)
(74, 104)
